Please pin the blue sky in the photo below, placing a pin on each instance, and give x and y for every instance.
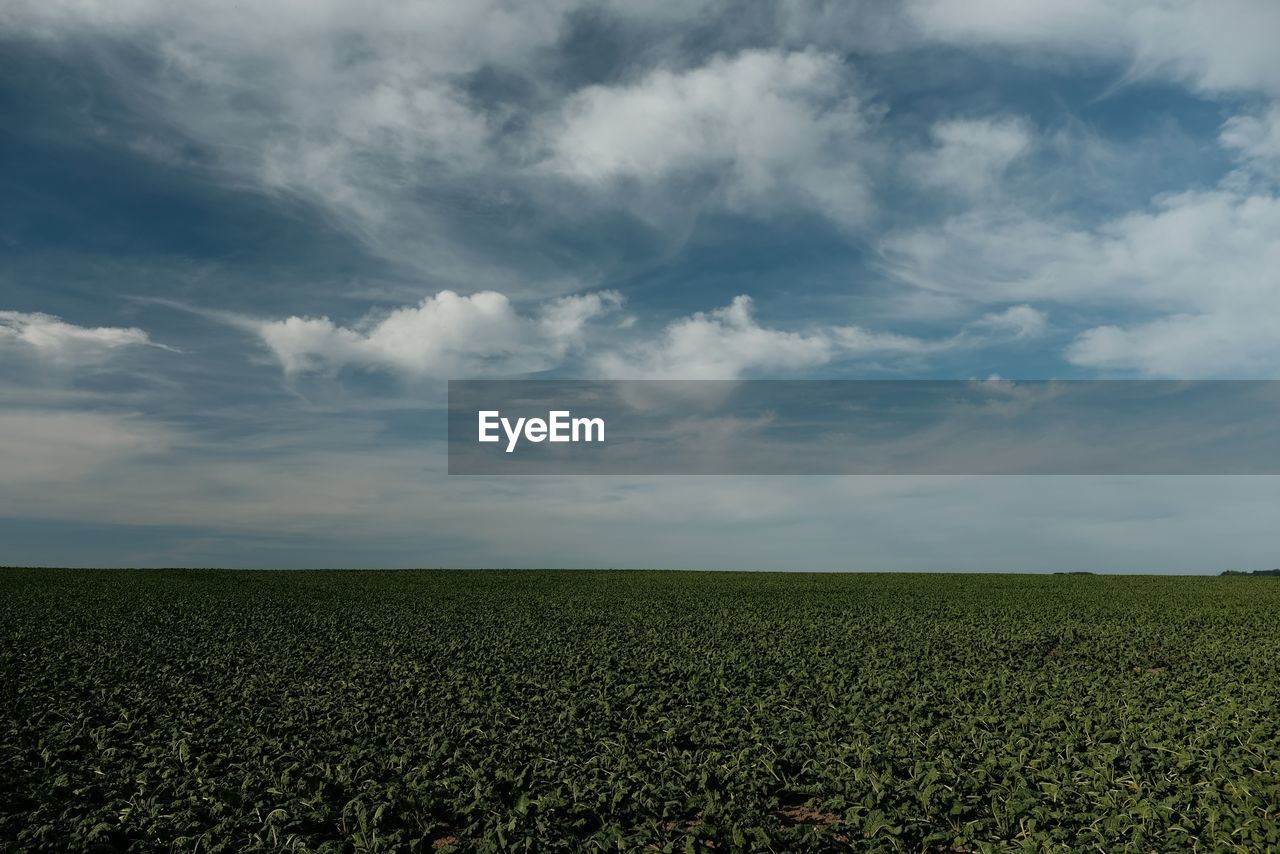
(241, 253)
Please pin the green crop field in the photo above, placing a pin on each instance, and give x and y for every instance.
(522, 710)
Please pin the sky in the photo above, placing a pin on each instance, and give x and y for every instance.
(242, 249)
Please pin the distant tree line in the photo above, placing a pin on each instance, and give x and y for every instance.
(1255, 572)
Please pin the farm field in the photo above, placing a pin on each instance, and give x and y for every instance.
(564, 710)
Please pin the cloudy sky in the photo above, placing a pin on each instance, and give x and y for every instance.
(242, 248)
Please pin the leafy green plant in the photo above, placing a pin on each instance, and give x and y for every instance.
(531, 711)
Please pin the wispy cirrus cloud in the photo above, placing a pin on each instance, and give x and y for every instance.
(1255, 140)
(729, 342)
(1214, 47)
(59, 447)
(970, 156)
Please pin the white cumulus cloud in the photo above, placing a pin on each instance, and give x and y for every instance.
(769, 128)
(719, 344)
(445, 335)
(1197, 272)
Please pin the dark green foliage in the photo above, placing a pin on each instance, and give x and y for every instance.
(343, 711)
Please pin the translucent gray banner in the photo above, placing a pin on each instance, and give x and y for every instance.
(839, 427)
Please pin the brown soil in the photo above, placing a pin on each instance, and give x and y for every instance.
(803, 814)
